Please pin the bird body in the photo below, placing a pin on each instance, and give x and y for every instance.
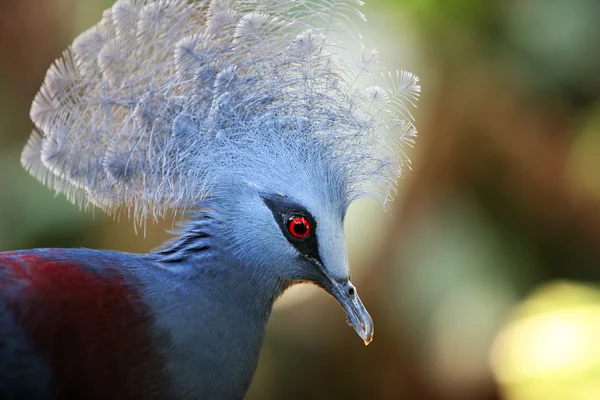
(241, 116)
(98, 325)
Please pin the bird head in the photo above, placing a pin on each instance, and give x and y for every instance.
(315, 243)
(287, 220)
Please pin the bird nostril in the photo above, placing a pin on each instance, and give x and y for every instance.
(351, 291)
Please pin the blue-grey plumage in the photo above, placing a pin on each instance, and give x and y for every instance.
(244, 115)
(135, 328)
(202, 302)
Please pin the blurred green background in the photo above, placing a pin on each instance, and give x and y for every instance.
(482, 278)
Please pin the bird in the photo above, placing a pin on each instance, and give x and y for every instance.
(257, 123)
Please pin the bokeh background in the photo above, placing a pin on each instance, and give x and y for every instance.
(482, 278)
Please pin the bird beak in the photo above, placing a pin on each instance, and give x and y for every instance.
(357, 316)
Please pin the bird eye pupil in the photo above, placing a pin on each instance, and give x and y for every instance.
(299, 227)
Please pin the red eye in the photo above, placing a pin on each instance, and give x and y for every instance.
(299, 227)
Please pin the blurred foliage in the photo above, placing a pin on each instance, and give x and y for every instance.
(482, 278)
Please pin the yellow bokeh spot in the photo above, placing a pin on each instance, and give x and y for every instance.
(551, 347)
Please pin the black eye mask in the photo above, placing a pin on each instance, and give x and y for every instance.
(285, 210)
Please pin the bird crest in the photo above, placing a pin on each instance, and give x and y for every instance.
(154, 106)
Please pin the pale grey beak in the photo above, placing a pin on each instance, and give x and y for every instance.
(357, 316)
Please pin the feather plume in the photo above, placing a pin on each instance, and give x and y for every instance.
(149, 109)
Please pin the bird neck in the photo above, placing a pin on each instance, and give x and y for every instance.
(200, 256)
(214, 308)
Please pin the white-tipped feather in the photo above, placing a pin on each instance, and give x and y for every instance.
(152, 107)
(86, 49)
